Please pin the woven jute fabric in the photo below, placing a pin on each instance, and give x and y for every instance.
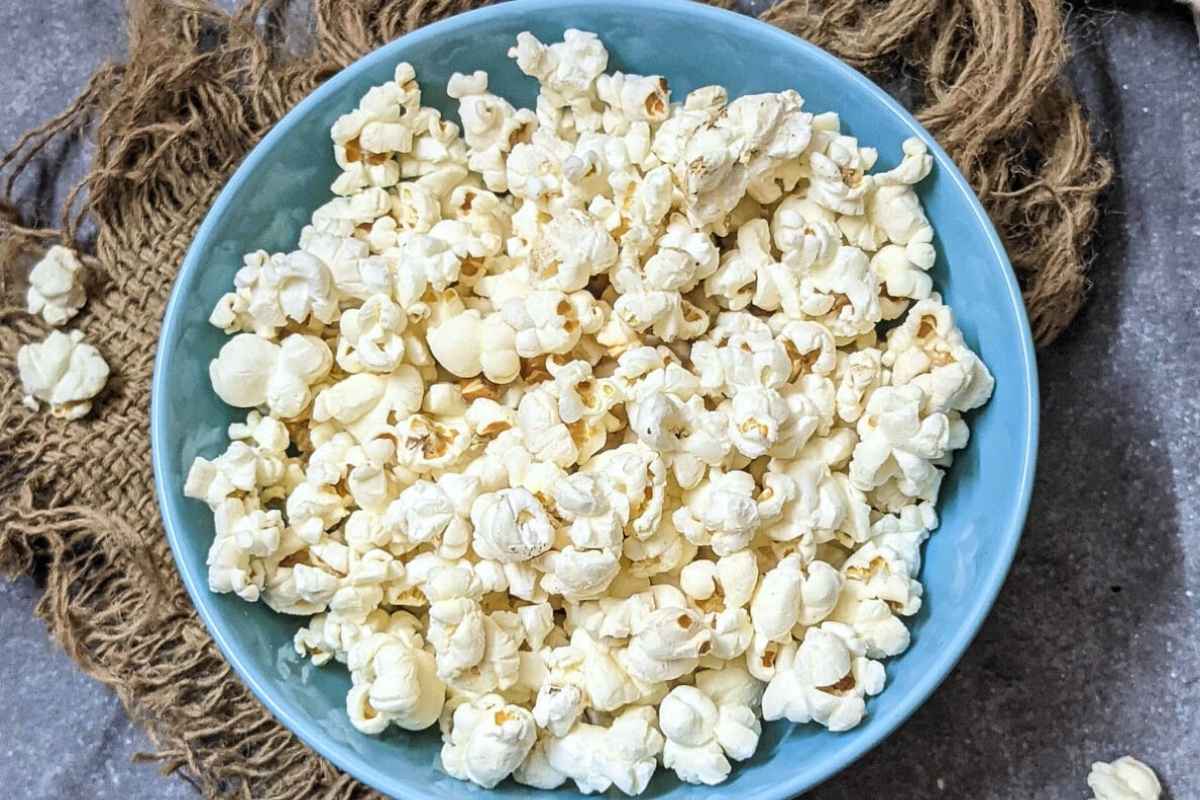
(198, 88)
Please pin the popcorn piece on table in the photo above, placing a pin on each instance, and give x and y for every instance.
(1124, 779)
(62, 371)
(56, 290)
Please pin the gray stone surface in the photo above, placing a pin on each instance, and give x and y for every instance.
(1093, 650)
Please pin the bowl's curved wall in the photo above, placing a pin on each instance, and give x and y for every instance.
(272, 196)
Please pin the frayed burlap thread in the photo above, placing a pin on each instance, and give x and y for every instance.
(199, 87)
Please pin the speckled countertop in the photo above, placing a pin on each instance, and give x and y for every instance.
(1093, 650)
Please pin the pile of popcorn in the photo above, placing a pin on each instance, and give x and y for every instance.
(574, 430)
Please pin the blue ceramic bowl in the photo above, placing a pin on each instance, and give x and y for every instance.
(272, 195)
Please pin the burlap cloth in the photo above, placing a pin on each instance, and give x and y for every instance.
(198, 89)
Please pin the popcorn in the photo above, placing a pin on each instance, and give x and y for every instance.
(365, 405)
(56, 290)
(744, 274)
(1124, 779)
(558, 708)
(233, 567)
(574, 428)
(703, 732)
(435, 513)
(632, 98)
(927, 350)
(394, 683)
(895, 440)
(826, 681)
(578, 574)
(741, 147)
(838, 180)
(572, 247)
(252, 371)
(246, 467)
(296, 287)
(491, 126)
(487, 740)
(596, 758)
(544, 322)
(510, 525)
(62, 371)
(724, 512)
(371, 336)
(790, 594)
(665, 645)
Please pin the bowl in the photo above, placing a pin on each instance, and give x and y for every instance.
(271, 196)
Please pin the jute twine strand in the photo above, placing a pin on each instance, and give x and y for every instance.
(198, 89)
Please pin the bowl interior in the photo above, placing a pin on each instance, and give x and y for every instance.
(272, 196)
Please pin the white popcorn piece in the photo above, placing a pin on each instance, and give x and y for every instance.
(371, 336)
(744, 274)
(913, 168)
(826, 682)
(927, 350)
(591, 666)
(62, 371)
(510, 525)
(597, 758)
(233, 567)
(872, 619)
(632, 98)
(578, 574)
(792, 593)
(839, 181)
(251, 371)
(470, 344)
(724, 512)
(491, 126)
(738, 149)
(805, 232)
(689, 719)
(397, 683)
(707, 724)
(567, 69)
(428, 445)
(435, 513)
(572, 247)
(860, 373)
(884, 575)
(255, 462)
(487, 740)
(558, 708)
(665, 645)
(56, 290)
(1123, 779)
(896, 441)
(271, 290)
(366, 405)
(544, 322)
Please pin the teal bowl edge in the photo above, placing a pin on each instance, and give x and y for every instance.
(883, 722)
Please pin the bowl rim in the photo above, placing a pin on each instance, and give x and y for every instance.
(794, 782)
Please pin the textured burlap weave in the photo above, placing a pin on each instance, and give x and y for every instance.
(198, 89)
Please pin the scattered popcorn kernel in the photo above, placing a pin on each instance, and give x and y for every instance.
(1124, 779)
(62, 371)
(55, 286)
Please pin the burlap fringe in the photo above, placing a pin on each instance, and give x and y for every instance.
(198, 89)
